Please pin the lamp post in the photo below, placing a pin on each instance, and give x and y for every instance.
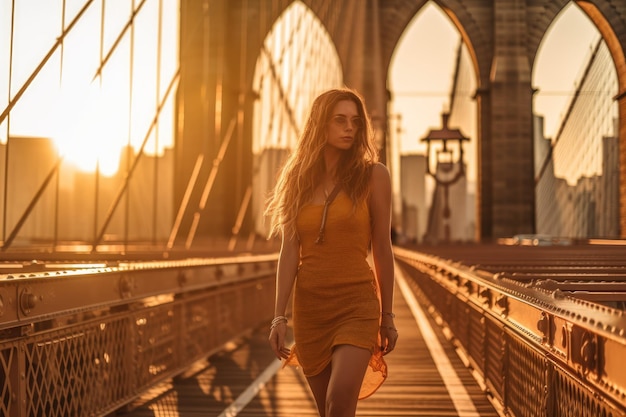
(394, 130)
(445, 162)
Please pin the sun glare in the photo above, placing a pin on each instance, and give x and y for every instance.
(90, 106)
(81, 132)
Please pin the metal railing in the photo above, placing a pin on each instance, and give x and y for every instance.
(536, 352)
(86, 342)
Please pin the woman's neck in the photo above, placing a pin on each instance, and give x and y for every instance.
(331, 160)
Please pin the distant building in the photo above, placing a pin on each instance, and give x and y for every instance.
(51, 200)
(31, 160)
(463, 116)
(456, 220)
(413, 192)
(577, 173)
(455, 226)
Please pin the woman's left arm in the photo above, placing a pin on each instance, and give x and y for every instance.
(380, 210)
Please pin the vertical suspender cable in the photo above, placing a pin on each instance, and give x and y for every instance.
(122, 190)
(6, 149)
(43, 62)
(55, 239)
(155, 193)
(130, 124)
(13, 101)
(96, 174)
(239, 148)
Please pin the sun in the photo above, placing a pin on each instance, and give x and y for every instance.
(83, 133)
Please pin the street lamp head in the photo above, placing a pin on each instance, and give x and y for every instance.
(444, 135)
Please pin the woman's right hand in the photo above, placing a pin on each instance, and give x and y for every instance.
(277, 341)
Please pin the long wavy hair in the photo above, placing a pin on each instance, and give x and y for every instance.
(305, 167)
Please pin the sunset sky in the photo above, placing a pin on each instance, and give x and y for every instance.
(90, 115)
(423, 65)
(420, 76)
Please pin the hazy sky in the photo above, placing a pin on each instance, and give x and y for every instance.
(420, 76)
(66, 101)
(422, 70)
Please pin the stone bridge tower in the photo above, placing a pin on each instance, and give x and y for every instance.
(503, 38)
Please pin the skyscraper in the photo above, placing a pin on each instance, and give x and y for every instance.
(577, 171)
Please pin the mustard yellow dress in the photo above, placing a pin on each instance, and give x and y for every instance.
(336, 298)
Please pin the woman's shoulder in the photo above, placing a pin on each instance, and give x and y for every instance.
(379, 172)
(380, 187)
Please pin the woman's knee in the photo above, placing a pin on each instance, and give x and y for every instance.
(341, 401)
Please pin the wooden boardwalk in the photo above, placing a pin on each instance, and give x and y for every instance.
(415, 386)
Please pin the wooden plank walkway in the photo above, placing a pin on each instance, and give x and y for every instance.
(415, 386)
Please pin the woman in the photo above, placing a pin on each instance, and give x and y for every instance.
(342, 311)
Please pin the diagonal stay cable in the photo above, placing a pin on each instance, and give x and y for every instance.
(152, 126)
(281, 91)
(31, 205)
(131, 170)
(43, 62)
(208, 186)
(120, 36)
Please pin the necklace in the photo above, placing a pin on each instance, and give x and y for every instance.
(325, 186)
(329, 200)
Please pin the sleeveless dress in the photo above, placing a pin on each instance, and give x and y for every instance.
(335, 298)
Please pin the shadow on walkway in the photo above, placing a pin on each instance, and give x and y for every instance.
(210, 386)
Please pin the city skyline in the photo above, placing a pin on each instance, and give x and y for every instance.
(92, 87)
(421, 74)
(305, 64)
(420, 82)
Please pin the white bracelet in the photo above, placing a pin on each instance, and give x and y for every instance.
(278, 320)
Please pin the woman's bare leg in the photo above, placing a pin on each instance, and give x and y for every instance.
(319, 387)
(349, 364)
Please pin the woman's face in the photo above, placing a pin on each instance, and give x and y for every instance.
(343, 125)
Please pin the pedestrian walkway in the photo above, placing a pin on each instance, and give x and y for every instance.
(240, 380)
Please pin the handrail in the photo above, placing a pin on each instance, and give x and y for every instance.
(121, 283)
(120, 331)
(608, 324)
(534, 349)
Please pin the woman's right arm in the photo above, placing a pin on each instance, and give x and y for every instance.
(288, 261)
